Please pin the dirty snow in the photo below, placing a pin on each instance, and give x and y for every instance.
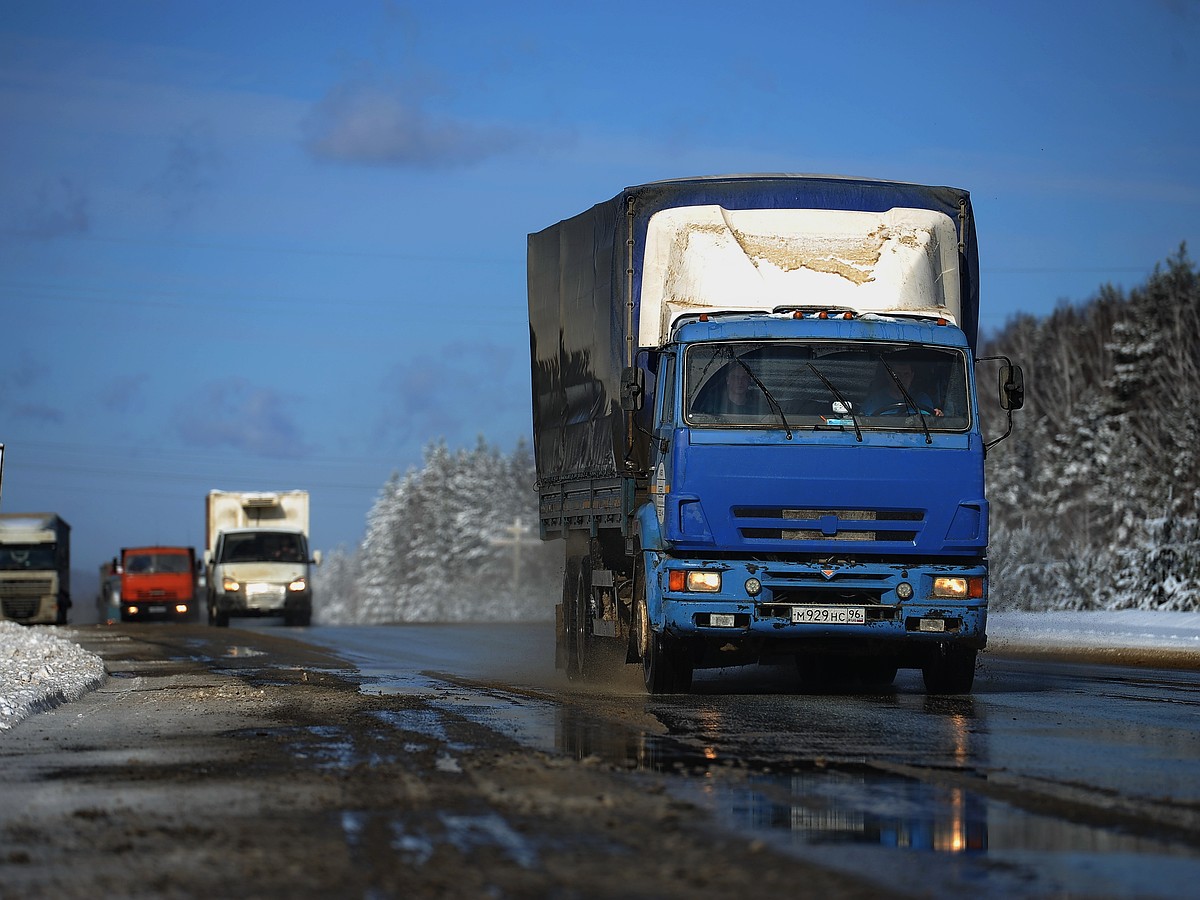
(40, 667)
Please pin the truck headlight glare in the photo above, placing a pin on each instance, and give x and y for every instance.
(958, 587)
(298, 585)
(230, 585)
(703, 581)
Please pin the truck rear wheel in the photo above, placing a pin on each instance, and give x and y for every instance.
(575, 615)
(950, 671)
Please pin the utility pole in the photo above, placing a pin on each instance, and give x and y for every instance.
(516, 540)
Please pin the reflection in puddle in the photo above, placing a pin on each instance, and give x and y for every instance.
(853, 817)
(823, 807)
(888, 828)
(243, 652)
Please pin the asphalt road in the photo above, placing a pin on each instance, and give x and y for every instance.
(454, 761)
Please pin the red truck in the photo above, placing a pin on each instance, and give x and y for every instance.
(158, 583)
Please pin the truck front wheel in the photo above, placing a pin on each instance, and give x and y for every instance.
(666, 668)
(216, 617)
(950, 671)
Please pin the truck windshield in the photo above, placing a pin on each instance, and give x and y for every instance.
(826, 384)
(27, 556)
(263, 547)
(156, 563)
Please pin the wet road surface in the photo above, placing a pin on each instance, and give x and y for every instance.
(1050, 778)
(454, 761)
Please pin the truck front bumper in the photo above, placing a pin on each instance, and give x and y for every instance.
(795, 606)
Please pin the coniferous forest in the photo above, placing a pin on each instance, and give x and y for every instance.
(1095, 497)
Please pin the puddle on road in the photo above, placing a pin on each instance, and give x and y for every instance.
(853, 817)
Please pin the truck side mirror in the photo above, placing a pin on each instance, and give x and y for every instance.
(1012, 387)
(316, 557)
(633, 388)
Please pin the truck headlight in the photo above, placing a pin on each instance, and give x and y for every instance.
(230, 585)
(298, 585)
(950, 587)
(704, 581)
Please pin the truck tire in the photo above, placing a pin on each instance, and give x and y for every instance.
(575, 610)
(877, 673)
(665, 667)
(217, 618)
(950, 671)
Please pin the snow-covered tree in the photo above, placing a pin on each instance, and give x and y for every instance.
(1095, 497)
(455, 540)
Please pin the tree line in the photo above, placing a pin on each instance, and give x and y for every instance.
(1095, 497)
(455, 540)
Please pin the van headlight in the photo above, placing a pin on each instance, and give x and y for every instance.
(299, 584)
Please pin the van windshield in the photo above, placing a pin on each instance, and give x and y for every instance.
(826, 384)
(263, 547)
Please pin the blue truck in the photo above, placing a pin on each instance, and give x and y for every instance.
(757, 430)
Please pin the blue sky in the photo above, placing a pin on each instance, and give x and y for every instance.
(275, 245)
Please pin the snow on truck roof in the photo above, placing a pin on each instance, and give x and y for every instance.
(902, 261)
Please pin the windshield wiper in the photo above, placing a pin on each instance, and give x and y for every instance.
(770, 399)
(837, 395)
(908, 398)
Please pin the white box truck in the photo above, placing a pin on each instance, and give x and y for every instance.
(256, 559)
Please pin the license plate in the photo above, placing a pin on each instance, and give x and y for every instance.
(829, 615)
(157, 609)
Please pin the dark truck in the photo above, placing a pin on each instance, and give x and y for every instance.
(756, 428)
(35, 568)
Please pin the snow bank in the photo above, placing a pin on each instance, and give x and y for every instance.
(1132, 629)
(40, 669)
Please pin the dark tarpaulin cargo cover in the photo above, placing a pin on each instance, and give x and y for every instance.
(583, 321)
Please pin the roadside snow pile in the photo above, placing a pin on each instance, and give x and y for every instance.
(1127, 629)
(38, 671)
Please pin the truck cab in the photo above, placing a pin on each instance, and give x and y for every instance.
(157, 583)
(35, 568)
(817, 490)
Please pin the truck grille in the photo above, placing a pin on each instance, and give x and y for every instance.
(20, 609)
(153, 594)
(783, 590)
(786, 524)
(24, 588)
